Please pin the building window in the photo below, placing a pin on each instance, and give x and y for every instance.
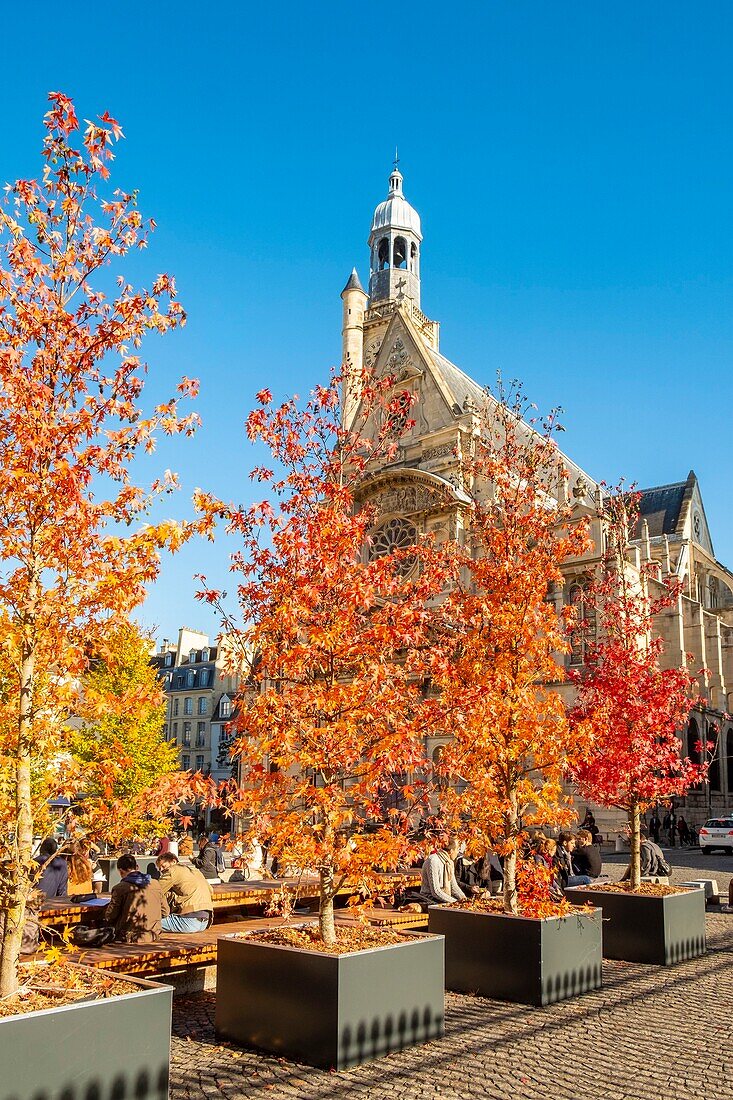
(199, 763)
(175, 707)
(203, 705)
(200, 735)
(399, 252)
(395, 534)
(188, 706)
(192, 657)
(204, 654)
(225, 708)
(179, 681)
(165, 730)
(204, 678)
(383, 254)
(583, 634)
(174, 732)
(169, 658)
(190, 678)
(186, 763)
(187, 735)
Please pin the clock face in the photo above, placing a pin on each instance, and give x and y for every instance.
(371, 353)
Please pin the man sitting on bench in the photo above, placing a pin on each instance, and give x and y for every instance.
(188, 893)
(136, 906)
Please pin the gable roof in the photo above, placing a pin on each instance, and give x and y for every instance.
(661, 507)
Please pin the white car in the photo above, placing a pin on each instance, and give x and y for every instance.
(717, 832)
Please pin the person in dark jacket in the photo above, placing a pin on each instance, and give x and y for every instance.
(211, 859)
(53, 880)
(586, 856)
(563, 862)
(137, 904)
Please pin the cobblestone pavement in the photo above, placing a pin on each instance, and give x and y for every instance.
(651, 1033)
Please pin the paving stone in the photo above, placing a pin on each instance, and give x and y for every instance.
(651, 1033)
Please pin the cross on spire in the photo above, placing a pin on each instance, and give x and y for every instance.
(396, 159)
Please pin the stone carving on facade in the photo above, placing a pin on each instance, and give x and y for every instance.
(442, 451)
(407, 498)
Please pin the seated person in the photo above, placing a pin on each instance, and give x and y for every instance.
(438, 884)
(586, 856)
(188, 893)
(544, 850)
(564, 865)
(54, 877)
(477, 875)
(81, 872)
(210, 859)
(652, 859)
(136, 906)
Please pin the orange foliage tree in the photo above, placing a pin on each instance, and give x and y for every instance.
(629, 704)
(499, 641)
(75, 557)
(329, 727)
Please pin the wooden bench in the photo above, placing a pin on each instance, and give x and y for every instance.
(228, 898)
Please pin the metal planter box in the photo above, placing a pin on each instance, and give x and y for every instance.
(330, 1010)
(519, 959)
(118, 1047)
(641, 928)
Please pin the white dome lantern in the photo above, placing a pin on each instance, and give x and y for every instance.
(394, 243)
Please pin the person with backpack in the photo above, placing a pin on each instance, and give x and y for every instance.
(210, 860)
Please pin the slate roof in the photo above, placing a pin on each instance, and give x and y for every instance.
(354, 282)
(661, 506)
(460, 384)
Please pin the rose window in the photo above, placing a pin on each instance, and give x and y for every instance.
(395, 534)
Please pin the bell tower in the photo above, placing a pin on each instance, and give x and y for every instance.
(394, 246)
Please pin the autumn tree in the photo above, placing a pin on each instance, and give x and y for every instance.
(119, 754)
(75, 551)
(330, 723)
(627, 701)
(500, 638)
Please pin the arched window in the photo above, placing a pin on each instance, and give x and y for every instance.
(399, 252)
(714, 769)
(413, 257)
(190, 678)
(439, 778)
(204, 654)
(383, 254)
(192, 657)
(694, 748)
(583, 634)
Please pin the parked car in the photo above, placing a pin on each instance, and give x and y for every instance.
(717, 832)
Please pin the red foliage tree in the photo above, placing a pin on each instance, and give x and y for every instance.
(627, 702)
(497, 664)
(329, 725)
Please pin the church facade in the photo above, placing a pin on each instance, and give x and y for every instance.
(419, 491)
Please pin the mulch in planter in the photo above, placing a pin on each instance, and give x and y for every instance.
(347, 939)
(55, 985)
(647, 889)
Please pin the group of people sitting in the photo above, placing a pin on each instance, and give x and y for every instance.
(174, 897)
(448, 875)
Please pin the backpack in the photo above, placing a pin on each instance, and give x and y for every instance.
(86, 936)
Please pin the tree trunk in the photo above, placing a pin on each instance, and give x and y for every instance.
(511, 819)
(326, 923)
(18, 883)
(635, 854)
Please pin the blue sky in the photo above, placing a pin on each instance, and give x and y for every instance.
(572, 165)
